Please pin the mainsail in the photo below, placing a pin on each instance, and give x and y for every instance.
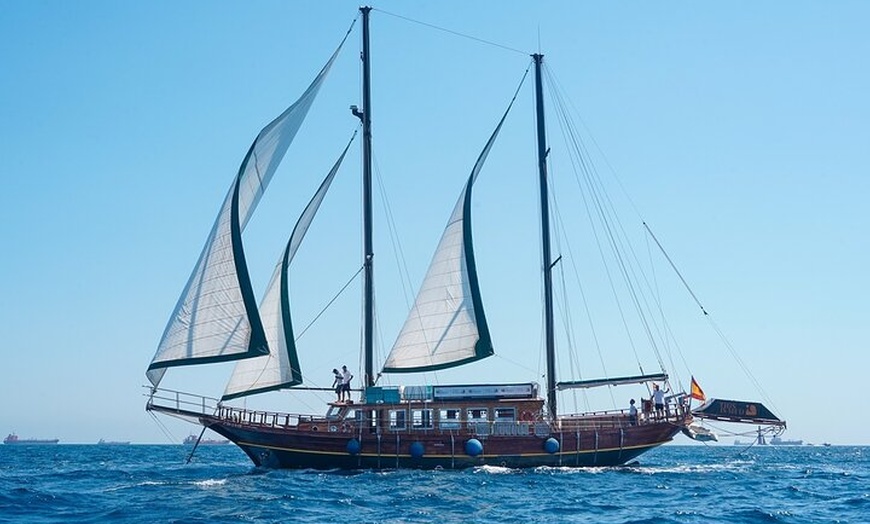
(216, 317)
(280, 368)
(447, 325)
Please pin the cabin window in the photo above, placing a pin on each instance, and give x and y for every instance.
(421, 418)
(449, 419)
(355, 414)
(397, 419)
(505, 414)
(334, 412)
(476, 414)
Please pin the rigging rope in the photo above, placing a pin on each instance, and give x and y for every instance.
(593, 332)
(398, 257)
(452, 32)
(163, 428)
(597, 199)
(333, 299)
(398, 252)
(713, 324)
(664, 332)
(604, 209)
(677, 271)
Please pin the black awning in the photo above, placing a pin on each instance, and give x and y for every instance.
(737, 411)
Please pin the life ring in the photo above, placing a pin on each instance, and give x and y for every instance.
(333, 429)
(527, 416)
(345, 428)
(313, 428)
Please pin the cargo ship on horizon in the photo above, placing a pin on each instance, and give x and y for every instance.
(12, 438)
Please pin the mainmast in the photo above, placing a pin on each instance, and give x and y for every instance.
(545, 239)
(368, 251)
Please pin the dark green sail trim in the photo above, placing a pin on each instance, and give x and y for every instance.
(290, 339)
(483, 347)
(198, 360)
(446, 365)
(257, 344)
(296, 237)
(250, 392)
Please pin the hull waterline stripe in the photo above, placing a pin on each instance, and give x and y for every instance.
(433, 456)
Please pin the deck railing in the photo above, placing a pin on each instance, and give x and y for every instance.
(180, 402)
(192, 405)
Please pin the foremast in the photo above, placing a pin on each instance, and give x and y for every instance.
(546, 258)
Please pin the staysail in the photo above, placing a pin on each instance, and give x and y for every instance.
(447, 325)
(216, 317)
(280, 368)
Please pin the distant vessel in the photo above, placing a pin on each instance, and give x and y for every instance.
(191, 440)
(103, 442)
(776, 441)
(12, 438)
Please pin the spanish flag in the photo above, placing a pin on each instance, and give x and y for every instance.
(696, 392)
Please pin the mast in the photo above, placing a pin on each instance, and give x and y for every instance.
(545, 239)
(368, 251)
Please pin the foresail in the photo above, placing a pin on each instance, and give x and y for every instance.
(447, 325)
(216, 317)
(280, 368)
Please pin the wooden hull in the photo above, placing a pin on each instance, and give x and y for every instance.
(344, 448)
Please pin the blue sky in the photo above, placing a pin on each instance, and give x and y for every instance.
(739, 131)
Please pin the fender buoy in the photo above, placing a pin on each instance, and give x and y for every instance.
(473, 447)
(353, 446)
(417, 449)
(551, 445)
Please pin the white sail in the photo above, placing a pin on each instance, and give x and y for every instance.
(447, 325)
(216, 317)
(280, 367)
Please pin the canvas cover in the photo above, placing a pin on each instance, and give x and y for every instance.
(736, 411)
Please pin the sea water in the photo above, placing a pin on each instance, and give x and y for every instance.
(146, 483)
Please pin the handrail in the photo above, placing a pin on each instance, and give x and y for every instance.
(198, 405)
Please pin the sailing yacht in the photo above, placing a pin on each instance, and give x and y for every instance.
(430, 425)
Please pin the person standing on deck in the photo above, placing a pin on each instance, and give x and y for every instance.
(659, 400)
(346, 377)
(337, 381)
(632, 414)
